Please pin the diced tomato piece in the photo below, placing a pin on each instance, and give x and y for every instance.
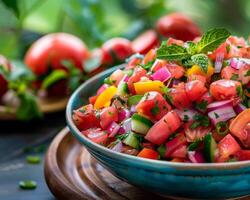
(174, 144)
(153, 105)
(96, 135)
(225, 89)
(227, 147)
(158, 64)
(240, 127)
(207, 97)
(175, 41)
(165, 127)
(138, 73)
(85, 118)
(197, 77)
(133, 63)
(107, 116)
(116, 77)
(178, 96)
(176, 71)
(196, 133)
(228, 72)
(148, 153)
(244, 74)
(217, 137)
(195, 89)
(93, 99)
(150, 56)
(243, 155)
(146, 41)
(180, 152)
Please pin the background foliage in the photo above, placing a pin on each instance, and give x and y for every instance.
(94, 21)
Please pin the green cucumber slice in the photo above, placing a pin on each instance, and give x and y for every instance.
(162, 150)
(132, 140)
(209, 147)
(133, 100)
(122, 88)
(54, 77)
(140, 124)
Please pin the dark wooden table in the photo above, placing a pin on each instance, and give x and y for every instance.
(15, 137)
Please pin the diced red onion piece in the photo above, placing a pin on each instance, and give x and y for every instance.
(113, 129)
(236, 63)
(121, 131)
(239, 108)
(102, 88)
(219, 104)
(218, 62)
(221, 114)
(132, 109)
(161, 75)
(196, 157)
(125, 78)
(189, 113)
(118, 147)
(127, 125)
(123, 114)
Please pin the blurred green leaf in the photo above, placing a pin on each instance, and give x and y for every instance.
(13, 5)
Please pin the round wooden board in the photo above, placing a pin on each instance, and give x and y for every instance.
(49, 105)
(71, 173)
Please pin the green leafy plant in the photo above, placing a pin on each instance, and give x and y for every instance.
(194, 53)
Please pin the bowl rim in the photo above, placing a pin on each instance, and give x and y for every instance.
(117, 155)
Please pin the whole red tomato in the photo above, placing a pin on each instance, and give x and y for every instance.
(3, 82)
(52, 49)
(116, 49)
(178, 26)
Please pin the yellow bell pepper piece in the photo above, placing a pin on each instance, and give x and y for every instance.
(103, 100)
(195, 69)
(147, 86)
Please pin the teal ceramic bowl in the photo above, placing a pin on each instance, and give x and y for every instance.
(176, 180)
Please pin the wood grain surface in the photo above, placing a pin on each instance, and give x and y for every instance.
(71, 173)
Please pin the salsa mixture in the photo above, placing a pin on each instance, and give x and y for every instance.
(181, 102)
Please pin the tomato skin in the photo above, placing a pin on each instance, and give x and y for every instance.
(3, 82)
(180, 152)
(174, 144)
(224, 89)
(197, 77)
(175, 41)
(240, 127)
(195, 89)
(227, 147)
(133, 63)
(162, 129)
(107, 116)
(96, 135)
(136, 76)
(178, 26)
(85, 118)
(178, 96)
(158, 64)
(50, 50)
(243, 155)
(207, 97)
(150, 56)
(146, 41)
(148, 153)
(116, 77)
(93, 99)
(149, 102)
(116, 49)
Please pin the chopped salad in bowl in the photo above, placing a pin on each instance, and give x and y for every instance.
(182, 102)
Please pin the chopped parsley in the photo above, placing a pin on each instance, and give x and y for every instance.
(216, 115)
(185, 118)
(247, 73)
(239, 91)
(200, 120)
(228, 48)
(155, 110)
(234, 77)
(202, 105)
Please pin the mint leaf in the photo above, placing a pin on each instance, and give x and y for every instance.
(53, 77)
(172, 52)
(201, 60)
(212, 39)
(191, 47)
